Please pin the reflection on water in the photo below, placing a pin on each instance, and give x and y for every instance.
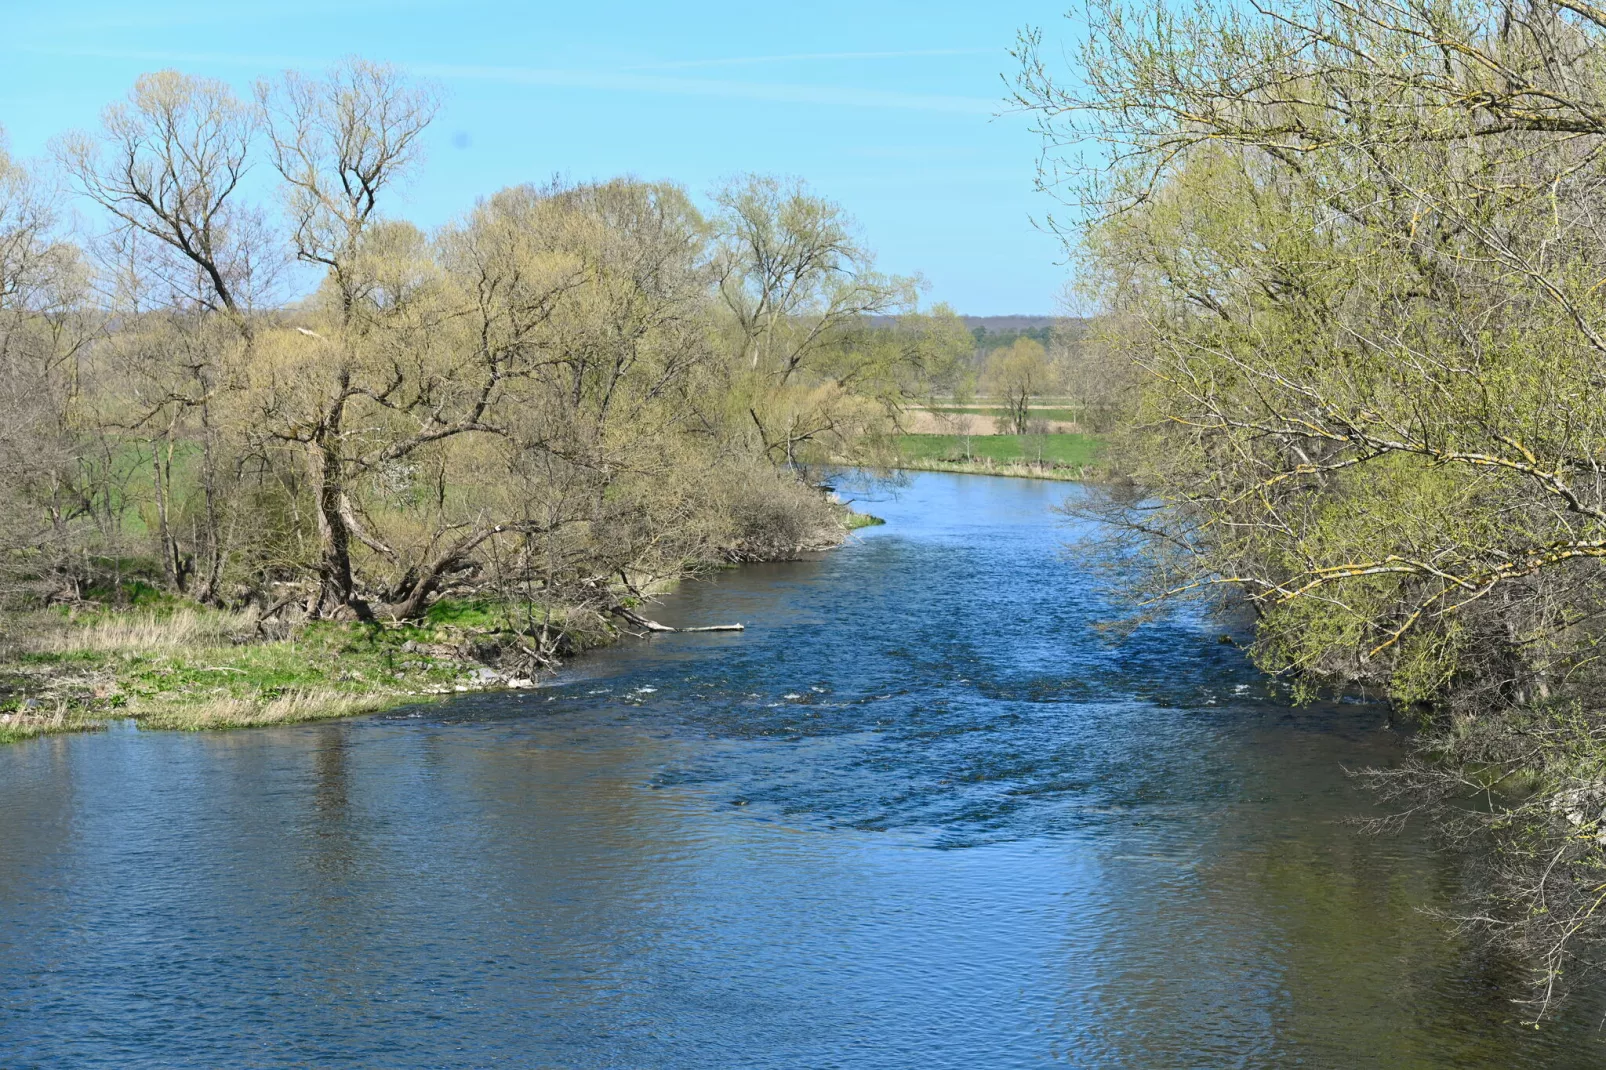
(920, 814)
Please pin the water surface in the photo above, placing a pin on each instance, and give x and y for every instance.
(922, 813)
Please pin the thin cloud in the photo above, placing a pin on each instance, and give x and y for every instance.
(620, 81)
(777, 92)
(800, 57)
(221, 59)
(149, 17)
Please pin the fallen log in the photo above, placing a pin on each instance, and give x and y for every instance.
(653, 626)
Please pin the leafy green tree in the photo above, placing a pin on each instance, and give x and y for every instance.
(1355, 250)
(813, 373)
(1018, 376)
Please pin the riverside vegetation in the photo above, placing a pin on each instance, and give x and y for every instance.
(1356, 251)
(1038, 404)
(1044, 455)
(269, 452)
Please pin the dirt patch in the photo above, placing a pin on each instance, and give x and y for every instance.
(926, 422)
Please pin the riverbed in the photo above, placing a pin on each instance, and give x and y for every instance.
(927, 811)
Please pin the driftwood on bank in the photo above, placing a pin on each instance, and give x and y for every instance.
(653, 626)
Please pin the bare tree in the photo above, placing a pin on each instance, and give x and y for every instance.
(339, 143)
(545, 400)
(792, 272)
(799, 288)
(168, 163)
(55, 474)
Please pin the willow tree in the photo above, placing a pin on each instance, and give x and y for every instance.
(339, 143)
(1018, 375)
(167, 166)
(58, 481)
(593, 299)
(811, 370)
(1357, 250)
(563, 395)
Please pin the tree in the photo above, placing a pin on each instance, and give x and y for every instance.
(338, 144)
(591, 301)
(961, 395)
(793, 274)
(1018, 376)
(1099, 383)
(798, 287)
(567, 393)
(1355, 249)
(167, 165)
(57, 484)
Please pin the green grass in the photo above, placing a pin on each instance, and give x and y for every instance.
(1072, 457)
(10, 733)
(191, 668)
(200, 667)
(1069, 449)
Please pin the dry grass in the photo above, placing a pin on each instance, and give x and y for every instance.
(927, 422)
(1079, 474)
(293, 707)
(189, 669)
(20, 725)
(143, 632)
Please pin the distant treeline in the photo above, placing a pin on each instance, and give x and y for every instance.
(989, 340)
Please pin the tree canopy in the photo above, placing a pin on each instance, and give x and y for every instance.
(1356, 250)
(565, 394)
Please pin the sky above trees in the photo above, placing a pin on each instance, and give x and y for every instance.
(895, 109)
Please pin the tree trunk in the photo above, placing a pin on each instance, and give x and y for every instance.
(212, 574)
(335, 570)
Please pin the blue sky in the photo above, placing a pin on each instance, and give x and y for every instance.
(891, 108)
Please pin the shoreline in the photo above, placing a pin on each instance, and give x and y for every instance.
(1056, 473)
(181, 667)
(174, 666)
(193, 669)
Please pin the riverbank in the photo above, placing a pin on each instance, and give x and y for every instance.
(1071, 457)
(190, 667)
(1146, 809)
(1018, 470)
(171, 665)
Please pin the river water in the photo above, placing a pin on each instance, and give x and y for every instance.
(924, 813)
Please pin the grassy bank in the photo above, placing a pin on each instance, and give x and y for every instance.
(188, 667)
(1060, 456)
(178, 666)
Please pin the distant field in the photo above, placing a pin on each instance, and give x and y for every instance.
(1068, 449)
(1037, 414)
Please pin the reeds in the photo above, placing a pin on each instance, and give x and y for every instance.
(26, 724)
(145, 632)
(292, 707)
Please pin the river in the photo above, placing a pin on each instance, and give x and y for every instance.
(923, 812)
